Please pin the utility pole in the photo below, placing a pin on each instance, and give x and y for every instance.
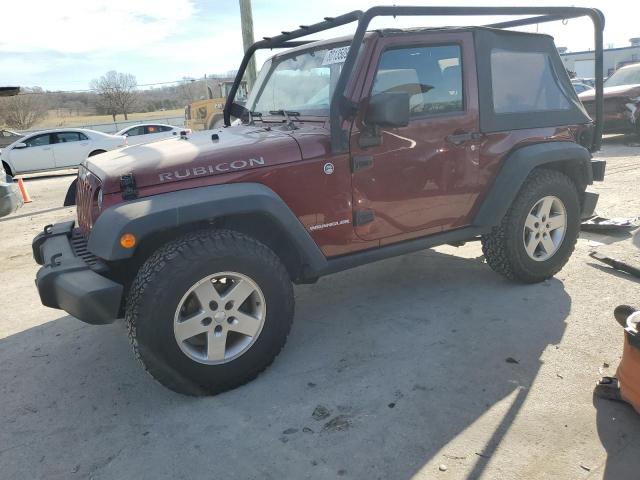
(246, 20)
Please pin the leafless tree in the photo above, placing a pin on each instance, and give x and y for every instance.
(117, 92)
(188, 89)
(25, 110)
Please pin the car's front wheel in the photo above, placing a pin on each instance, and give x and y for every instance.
(209, 311)
(539, 232)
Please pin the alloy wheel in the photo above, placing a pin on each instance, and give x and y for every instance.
(219, 318)
(544, 228)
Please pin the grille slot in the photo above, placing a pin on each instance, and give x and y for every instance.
(86, 189)
(79, 246)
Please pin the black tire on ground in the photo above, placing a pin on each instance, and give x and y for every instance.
(166, 277)
(7, 169)
(70, 197)
(504, 248)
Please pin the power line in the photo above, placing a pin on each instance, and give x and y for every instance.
(182, 80)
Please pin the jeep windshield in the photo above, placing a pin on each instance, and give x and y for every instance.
(298, 83)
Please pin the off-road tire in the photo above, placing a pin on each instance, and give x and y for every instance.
(504, 248)
(165, 277)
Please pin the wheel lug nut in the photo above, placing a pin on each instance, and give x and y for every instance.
(229, 305)
(213, 305)
(218, 330)
(206, 321)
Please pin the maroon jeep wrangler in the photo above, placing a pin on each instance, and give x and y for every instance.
(347, 151)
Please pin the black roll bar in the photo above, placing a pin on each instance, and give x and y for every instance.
(341, 107)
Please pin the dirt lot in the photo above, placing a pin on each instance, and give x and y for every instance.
(408, 356)
(55, 119)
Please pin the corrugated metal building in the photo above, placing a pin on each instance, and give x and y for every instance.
(583, 63)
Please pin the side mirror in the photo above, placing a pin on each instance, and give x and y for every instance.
(20, 145)
(388, 110)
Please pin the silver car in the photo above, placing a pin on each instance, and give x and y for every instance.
(10, 197)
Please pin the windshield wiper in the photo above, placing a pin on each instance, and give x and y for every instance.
(287, 114)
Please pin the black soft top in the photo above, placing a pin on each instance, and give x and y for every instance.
(495, 116)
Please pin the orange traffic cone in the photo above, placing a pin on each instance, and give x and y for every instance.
(23, 190)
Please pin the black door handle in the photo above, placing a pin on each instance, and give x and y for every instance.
(462, 137)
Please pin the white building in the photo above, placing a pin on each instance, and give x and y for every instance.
(583, 63)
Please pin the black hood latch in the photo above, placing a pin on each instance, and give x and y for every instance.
(128, 187)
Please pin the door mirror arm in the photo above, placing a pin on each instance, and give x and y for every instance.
(371, 136)
(384, 110)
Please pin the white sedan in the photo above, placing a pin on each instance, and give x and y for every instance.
(148, 132)
(57, 149)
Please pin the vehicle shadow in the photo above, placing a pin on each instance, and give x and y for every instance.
(611, 146)
(385, 365)
(606, 238)
(617, 425)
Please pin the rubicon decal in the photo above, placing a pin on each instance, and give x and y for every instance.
(210, 169)
(329, 225)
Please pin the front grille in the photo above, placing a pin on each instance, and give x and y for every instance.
(79, 246)
(86, 200)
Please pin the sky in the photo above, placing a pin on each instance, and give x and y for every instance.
(64, 44)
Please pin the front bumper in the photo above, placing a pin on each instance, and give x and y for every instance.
(71, 279)
(10, 198)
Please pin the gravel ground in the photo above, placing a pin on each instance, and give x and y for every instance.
(424, 366)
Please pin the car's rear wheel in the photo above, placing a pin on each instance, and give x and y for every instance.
(538, 234)
(209, 311)
(7, 169)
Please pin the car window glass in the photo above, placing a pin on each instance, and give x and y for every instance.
(151, 129)
(525, 82)
(83, 136)
(38, 140)
(432, 76)
(624, 76)
(164, 128)
(135, 131)
(67, 137)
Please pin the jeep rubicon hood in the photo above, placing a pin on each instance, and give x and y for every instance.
(201, 154)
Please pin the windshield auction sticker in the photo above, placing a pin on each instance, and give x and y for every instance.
(335, 55)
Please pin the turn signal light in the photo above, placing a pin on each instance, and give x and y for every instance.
(128, 240)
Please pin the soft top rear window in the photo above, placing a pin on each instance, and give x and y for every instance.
(524, 82)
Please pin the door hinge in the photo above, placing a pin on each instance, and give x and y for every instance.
(362, 217)
(360, 162)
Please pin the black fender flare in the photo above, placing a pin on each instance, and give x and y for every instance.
(149, 215)
(517, 167)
